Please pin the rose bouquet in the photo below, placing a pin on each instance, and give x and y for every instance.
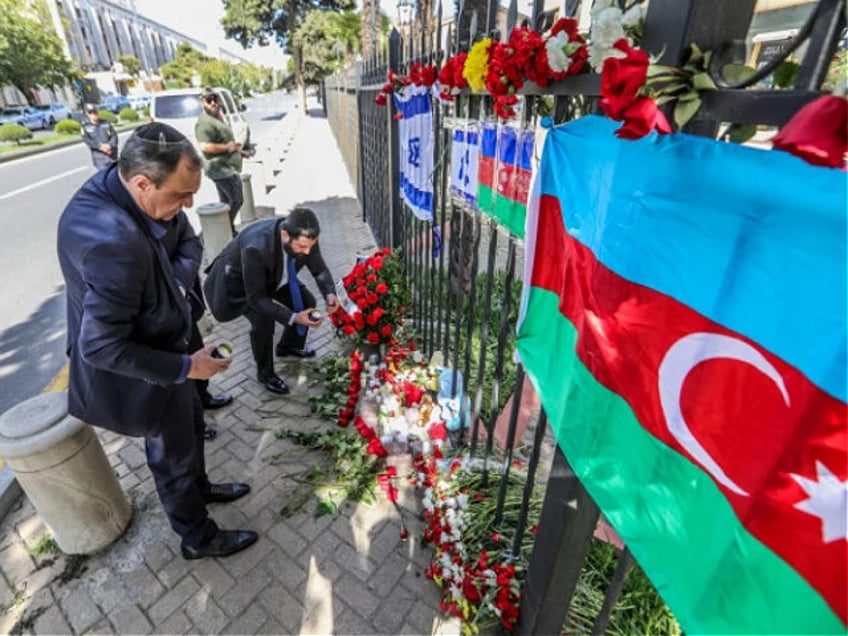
(379, 298)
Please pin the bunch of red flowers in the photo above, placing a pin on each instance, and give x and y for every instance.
(451, 80)
(509, 63)
(378, 289)
(622, 94)
(347, 412)
(419, 75)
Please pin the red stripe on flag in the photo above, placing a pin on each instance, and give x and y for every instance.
(486, 171)
(513, 183)
(734, 410)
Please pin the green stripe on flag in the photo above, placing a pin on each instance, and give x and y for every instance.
(508, 213)
(715, 576)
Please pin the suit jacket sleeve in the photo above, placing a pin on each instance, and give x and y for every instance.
(256, 273)
(319, 270)
(188, 252)
(111, 306)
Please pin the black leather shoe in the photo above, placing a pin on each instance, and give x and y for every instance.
(225, 543)
(216, 401)
(275, 385)
(306, 352)
(209, 432)
(222, 493)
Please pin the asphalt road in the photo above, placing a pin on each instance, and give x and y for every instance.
(33, 192)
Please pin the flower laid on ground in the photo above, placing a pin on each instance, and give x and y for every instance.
(818, 133)
(380, 297)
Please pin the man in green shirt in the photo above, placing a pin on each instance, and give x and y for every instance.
(222, 153)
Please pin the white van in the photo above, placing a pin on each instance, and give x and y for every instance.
(180, 108)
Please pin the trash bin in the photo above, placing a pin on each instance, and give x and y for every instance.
(60, 465)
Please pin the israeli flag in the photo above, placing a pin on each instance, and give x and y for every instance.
(464, 158)
(415, 133)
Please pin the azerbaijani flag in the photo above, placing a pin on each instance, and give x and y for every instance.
(684, 323)
(504, 171)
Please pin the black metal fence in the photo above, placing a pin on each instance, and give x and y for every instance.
(465, 290)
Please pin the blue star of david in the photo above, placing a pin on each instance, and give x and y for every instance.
(415, 152)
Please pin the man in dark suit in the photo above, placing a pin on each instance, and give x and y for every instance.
(129, 323)
(255, 276)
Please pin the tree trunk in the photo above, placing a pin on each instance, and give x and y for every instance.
(370, 24)
(297, 57)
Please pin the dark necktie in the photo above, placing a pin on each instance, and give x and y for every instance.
(294, 290)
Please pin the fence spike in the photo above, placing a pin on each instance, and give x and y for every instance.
(511, 16)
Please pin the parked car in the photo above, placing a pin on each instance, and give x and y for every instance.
(139, 102)
(54, 112)
(115, 103)
(180, 108)
(25, 116)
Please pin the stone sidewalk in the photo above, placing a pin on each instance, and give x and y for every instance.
(349, 574)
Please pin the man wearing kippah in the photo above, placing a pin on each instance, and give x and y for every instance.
(100, 136)
(222, 153)
(129, 325)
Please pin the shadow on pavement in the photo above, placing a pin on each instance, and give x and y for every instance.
(317, 112)
(33, 352)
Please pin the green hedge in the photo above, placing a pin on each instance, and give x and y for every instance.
(68, 127)
(14, 132)
(108, 115)
(128, 114)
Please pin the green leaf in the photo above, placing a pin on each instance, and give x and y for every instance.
(685, 110)
(740, 133)
(735, 73)
(786, 74)
(696, 55)
(692, 95)
(703, 82)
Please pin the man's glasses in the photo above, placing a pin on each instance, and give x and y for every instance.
(210, 100)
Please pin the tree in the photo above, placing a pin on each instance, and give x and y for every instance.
(30, 55)
(255, 22)
(326, 39)
(131, 64)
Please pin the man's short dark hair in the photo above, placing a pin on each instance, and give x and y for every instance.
(155, 150)
(302, 222)
(91, 108)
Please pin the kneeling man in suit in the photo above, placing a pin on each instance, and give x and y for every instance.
(255, 276)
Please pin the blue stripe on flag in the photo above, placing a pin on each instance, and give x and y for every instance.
(419, 200)
(413, 105)
(507, 145)
(752, 239)
(526, 139)
(489, 140)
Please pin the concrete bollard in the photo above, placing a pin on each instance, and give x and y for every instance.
(248, 207)
(256, 169)
(60, 465)
(215, 226)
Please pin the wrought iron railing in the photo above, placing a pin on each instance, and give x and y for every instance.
(464, 293)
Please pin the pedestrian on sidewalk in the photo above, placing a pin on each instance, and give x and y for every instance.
(100, 136)
(129, 322)
(255, 276)
(222, 153)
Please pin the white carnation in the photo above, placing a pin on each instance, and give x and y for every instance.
(633, 16)
(558, 61)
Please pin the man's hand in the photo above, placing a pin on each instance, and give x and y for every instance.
(233, 146)
(105, 149)
(204, 366)
(332, 304)
(302, 318)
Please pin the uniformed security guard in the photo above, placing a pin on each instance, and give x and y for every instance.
(101, 137)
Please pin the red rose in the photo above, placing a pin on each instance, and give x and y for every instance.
(372, 298)
(373, 337)
(386, 331)
(642, 117)
(818, 133)
(623, 77)
(348, 330)
(380, 100)
(381, 288)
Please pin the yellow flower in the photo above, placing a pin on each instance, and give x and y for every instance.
(477, 65)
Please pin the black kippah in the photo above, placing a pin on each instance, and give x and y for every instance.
(159, 133)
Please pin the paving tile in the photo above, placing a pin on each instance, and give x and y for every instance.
(213, 577)
(52, 622)
(143, 586)
(205, 615)
(81, 611)
(251, 621)
(282, 607)
(176, 623)
(246, 592)
(356, 594)
(347, 622)
(173, 600)
(101, 628)
(173, 572)
(130, 620)
(291, 541)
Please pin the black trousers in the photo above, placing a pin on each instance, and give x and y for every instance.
(231, 193)
(175, 456)
(262, 331)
